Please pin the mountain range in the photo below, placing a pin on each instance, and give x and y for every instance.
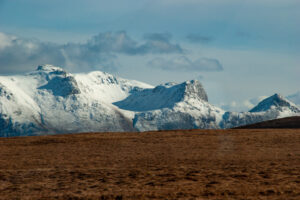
(50, 100)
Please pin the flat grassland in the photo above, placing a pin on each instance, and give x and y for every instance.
(191, 164)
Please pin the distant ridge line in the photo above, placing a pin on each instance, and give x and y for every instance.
(282, 123)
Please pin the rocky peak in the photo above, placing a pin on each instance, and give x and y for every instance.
(194, 89)
(50, 69)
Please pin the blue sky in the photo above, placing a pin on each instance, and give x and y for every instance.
(238, 49)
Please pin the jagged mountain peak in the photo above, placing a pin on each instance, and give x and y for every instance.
(163, 96)
(47, 72)
(194, 89)
(187, 89)
(275, 101)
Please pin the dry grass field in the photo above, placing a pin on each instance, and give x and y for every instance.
(196, 164)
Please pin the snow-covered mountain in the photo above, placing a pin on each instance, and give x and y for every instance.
(173, 106)
(49, 101)
(275, 102)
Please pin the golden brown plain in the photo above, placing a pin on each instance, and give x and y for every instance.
(191, 164)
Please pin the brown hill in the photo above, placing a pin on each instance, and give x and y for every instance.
(283, 123)
(191, 164)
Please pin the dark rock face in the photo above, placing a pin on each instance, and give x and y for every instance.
(9, 128)
(276, 101)
(5, 124)
(62, 86)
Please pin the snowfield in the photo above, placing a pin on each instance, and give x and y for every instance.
(50, 101)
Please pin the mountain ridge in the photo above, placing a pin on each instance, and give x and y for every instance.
(50, 100)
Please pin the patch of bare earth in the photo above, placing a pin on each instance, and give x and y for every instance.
(197, 164)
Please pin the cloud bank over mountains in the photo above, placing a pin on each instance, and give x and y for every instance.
(100, 52)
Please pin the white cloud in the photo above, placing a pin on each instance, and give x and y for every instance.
(99, 52)
(5, 40)
(242, 106)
